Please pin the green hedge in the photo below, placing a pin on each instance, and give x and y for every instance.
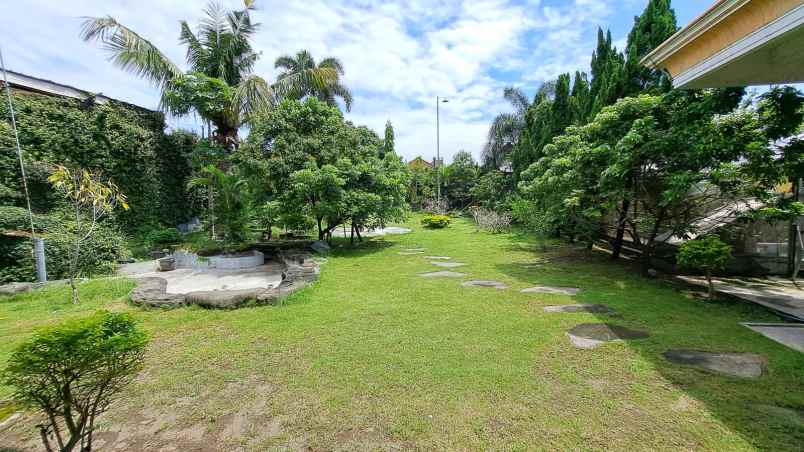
(125, 142)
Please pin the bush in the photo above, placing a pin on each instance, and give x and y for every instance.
(99, 253)
(490, 220)
(163, 236)
(706, 254)
(72, 373)
(436, 221)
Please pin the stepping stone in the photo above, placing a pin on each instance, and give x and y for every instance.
(594, 308)
(744, 365)
(410, 253)
(591, 335)
(442, 274)
(448, 264)
(552, 290)
(417, 250)
(438, 258)
(484, 283)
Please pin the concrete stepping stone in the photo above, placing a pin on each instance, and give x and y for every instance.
(410, 253)
(593, 308)
(552, 290)
(414, 249)
(438, 258)
(485, 283)
(743, 365)
(591, 335)
(448, 264)
(442, 274)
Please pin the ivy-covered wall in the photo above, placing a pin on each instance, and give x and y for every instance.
(127, 143)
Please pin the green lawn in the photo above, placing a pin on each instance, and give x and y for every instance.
(374, 357)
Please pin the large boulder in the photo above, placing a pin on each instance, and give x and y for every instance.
(152, 292)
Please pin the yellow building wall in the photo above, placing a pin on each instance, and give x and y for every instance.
(744, 21)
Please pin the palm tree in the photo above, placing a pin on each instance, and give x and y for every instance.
(303, 61)
(506, 129)
(219, 84)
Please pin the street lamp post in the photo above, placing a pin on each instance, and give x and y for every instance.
(439, 100)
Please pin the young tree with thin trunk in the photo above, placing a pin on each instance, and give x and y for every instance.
(90, 198)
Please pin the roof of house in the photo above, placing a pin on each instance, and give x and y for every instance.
(39, 85)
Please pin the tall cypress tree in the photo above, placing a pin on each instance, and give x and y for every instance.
(579, 98)
(654, 26)
(561, 111)
(388, 142)
(608, 73)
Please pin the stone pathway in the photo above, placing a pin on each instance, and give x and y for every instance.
(448, 264)
(410, 253)
(591, 335)
(789, 334)
(552, 290)
(593, 308)
(485, 283)
(438, 258)
(743, 365)
(442, 274)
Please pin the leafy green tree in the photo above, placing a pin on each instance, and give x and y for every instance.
(303, 66)
(422, 186)
(707, 254)
(388, 142)
(316, 164)
(493, 190)
(219, 84)
(231, 210)
(72, 372)
(656, 23)
(461, 176)
(90, 198)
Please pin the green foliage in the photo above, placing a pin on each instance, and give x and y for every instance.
(493, 191)
(436, 221)
(388, 140)
(124, 142)
(72, 372)
(209, 96)
(460, 177)
(162, 236)
(306, 157)
(706, 253)
(232, 203)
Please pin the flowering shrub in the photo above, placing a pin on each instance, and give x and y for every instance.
(436, 221)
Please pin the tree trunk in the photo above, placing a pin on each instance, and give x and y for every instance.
(225, 136)
(711, 293)
(357, 230)
(617, 244)
(320, 231)
(76, 255)
(352, 234)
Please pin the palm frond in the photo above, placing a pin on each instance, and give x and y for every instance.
(196, 53)
(316, 80)
(517, 98)
(129, 51)
(253, 95)
(332, 63)
(285, 62)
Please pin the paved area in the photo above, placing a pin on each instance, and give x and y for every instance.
(185, 280)
(743, 365)
(789, 334)
(774, 293)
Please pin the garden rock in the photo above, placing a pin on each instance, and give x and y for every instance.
(552, 290)
(591, 335)
(151, 292)
(442, 274)
(223, 299)
(166, 264)
(743, 365)
(485, 283)
(593, 308)
(448, 264)
(320, 247)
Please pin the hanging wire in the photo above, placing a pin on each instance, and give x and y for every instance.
(17, 141)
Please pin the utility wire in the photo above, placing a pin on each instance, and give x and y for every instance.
(17, 141)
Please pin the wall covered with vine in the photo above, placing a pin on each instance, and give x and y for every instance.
(125, 142)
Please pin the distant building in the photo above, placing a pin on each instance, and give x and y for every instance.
(419, 163)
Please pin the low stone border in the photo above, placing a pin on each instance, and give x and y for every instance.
(299, 271)
(21, 287)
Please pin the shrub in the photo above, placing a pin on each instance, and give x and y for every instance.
(490, 220)
(706, 254)
(436, 221)
(163, 236)
(72, 372)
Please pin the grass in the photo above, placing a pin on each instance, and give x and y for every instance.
(375, 357)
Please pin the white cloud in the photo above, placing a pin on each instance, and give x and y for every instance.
(398, 56)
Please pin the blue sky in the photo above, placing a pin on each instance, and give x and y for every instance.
(398, 56)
